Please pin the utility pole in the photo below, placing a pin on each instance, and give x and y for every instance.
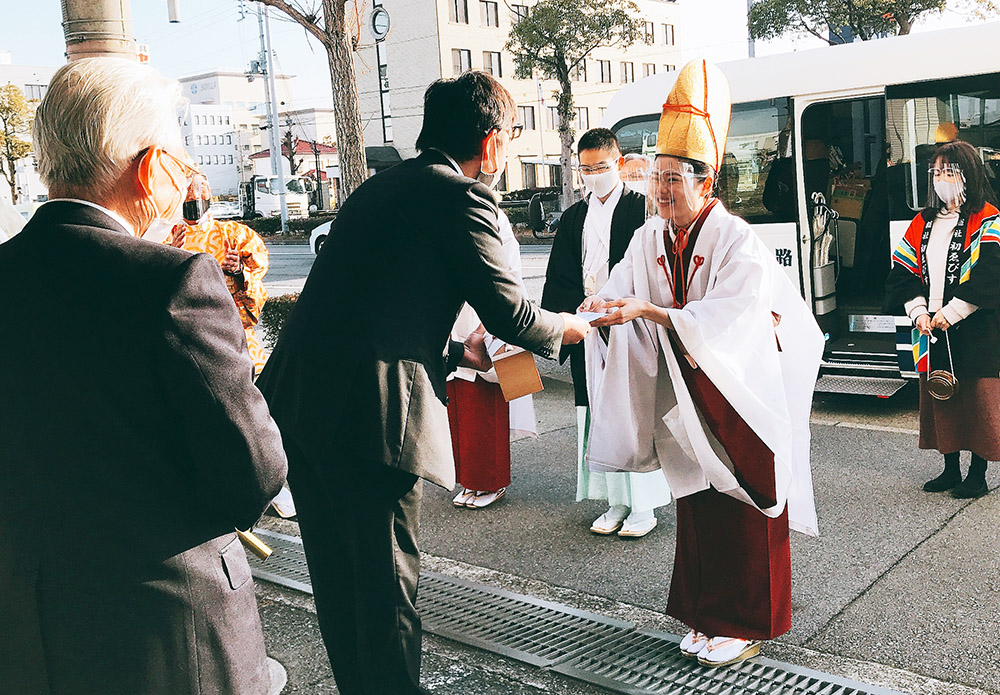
(98, 28)
(267, 69)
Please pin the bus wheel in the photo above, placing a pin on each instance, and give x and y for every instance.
(319, 244)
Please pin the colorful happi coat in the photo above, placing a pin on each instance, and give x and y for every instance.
(972, 275)
(215, 237)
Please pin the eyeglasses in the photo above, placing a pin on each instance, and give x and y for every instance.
(515, 130)
(598, 168)
(189, 170)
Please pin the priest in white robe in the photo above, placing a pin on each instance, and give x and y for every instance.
(708, 375)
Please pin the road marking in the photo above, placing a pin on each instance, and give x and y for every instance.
(863, 426)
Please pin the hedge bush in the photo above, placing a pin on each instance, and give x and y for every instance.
(274, 315)
(271, 226)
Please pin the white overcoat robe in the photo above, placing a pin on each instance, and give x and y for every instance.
(522, 410)
(643, 413)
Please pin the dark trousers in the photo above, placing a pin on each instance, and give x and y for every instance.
(359, 527)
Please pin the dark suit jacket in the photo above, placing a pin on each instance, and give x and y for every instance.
(132, 441)
(563, 289)
(360, 365)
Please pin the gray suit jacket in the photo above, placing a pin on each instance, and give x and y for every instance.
(360, 365)
(133, 441)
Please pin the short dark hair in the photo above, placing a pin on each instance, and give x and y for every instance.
(598, 139)
(978, 190)
(460, 112)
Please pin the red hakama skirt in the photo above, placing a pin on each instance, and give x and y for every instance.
(732, 570)
(480, 434)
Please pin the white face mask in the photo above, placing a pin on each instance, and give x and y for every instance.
(951, 193)
(601, 184)
(490, 180)
(639, 187)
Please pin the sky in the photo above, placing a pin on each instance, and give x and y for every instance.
(210, 36)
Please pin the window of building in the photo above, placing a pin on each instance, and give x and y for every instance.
(229, 139)
(648, 69)
(461, 60)
(215, 159)
(555, 175)
(650, 31)
(518, 12)
(230, 159)
(488, 16)
(582, 119)
(600, 114)
(197, 139)
(201, 160)
(551, 118)
(227, 120)
(579, 72)
(491, 63)
(215, 139)
(668, 34)
(211, 120)
(458, 11)
(187, 141)
(529, 176)
(605, 70)
(197, 120)
(526, 115)
(628, 71)
(669, 68)
(35, 92)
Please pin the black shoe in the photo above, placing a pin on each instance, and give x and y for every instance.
(970, 489)
(945, 481)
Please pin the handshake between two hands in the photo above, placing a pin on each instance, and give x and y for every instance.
(594, 312)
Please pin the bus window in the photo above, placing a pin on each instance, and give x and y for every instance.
(759, 144)
(757, 178)
(916, 112)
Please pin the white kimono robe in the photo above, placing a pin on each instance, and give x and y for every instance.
(644, 416)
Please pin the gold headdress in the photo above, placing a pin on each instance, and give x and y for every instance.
(695, 120)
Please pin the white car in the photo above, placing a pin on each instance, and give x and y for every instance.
(225, 210)
(318, 236)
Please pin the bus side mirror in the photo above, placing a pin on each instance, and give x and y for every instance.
(536, 215)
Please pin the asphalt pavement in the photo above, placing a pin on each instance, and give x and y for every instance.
(901, 589)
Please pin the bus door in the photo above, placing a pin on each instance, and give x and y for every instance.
(919, 116)
(844, 175)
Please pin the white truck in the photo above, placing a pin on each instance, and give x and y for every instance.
(261, 196)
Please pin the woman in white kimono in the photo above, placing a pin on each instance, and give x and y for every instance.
(482, 422)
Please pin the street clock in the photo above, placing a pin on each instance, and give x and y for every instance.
(380, 23)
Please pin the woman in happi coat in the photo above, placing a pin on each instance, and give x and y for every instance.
(946, 277)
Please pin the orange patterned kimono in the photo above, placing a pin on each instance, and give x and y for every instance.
(213, 237)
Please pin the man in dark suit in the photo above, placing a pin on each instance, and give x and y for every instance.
(132, 439)
(592, 237)
(357, 379)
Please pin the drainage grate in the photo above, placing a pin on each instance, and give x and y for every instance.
(524, 628)
(646, 661)
(287, 564)
(593, 648)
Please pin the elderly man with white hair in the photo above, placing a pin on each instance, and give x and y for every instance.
(133, 440)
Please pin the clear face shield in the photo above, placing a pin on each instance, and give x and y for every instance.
(945, 185)
(677, 191)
